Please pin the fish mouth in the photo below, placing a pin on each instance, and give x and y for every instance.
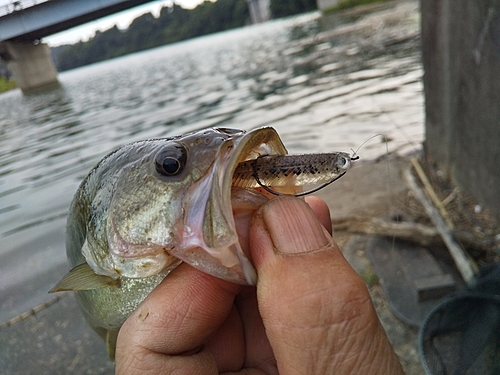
(210, 238)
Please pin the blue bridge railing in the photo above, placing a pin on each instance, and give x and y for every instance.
(17, 5)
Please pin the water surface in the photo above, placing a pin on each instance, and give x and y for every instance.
(325, 84)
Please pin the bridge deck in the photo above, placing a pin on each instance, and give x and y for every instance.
(32, 20)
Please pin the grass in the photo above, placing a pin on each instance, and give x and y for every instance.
(345, 4)
(369, 276)
(7, 84)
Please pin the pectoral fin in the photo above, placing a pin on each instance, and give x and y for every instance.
(82, 277)
(111, 337)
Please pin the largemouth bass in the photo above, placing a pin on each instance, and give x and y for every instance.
(150, 205)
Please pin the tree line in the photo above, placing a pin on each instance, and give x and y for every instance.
(173, 25)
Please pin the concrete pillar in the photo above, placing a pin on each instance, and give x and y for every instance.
(260, 10)
(326, 4)
(461, 58)
(30, 64)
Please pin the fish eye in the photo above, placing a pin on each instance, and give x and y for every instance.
(344, 162)
(171, 160)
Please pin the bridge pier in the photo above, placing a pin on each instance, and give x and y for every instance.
(461, 58)
(260, 10)
(30, 64)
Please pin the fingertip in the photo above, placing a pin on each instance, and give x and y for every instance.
(293, 227)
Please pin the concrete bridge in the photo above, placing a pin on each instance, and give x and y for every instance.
(24, 22)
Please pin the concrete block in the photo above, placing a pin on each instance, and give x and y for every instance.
(433, 287)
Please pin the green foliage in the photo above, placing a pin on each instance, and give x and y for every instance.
(345, 4)
(173, 25)
(284, 8)
(7, 84)
(369, 276)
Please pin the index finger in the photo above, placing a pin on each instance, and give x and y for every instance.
(175, 319)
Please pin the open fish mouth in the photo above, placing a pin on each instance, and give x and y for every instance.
(187, 210)
(189, 217)
(209, 235)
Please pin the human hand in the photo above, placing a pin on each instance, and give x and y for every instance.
(310, 312)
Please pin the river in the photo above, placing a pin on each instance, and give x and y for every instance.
(325, 83)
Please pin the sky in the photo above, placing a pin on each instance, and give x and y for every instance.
(121, 19)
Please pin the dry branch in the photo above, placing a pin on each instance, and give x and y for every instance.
(431, 193)
(407, 231)
(464, 264)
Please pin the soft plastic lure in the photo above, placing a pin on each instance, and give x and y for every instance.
(270, 171)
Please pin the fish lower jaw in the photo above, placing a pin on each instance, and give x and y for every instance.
(144, 266)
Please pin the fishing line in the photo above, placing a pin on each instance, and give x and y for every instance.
(384, 139)
(354, 153)
(395, 216)
(395, 124)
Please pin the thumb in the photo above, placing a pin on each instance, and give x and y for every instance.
(316, 310)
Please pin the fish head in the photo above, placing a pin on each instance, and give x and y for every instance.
(172, 202)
